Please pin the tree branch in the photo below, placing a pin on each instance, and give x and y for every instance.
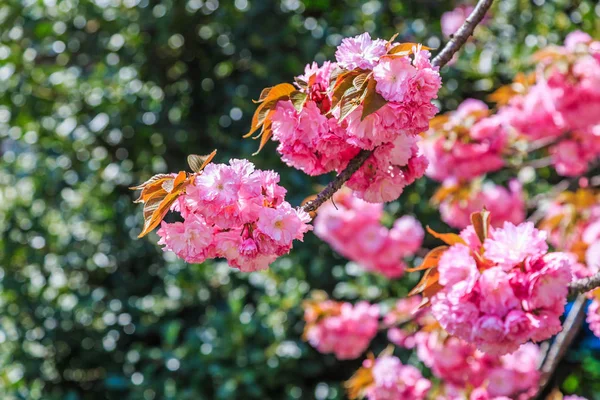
(457, 41)
(463, 33)
(562, 341)
(584, 284)
(337, 183)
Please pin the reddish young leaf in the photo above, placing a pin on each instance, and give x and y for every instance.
(349, 103)
(158, 194)
(359, 81)
(448, 238)
(358, 383)
(343, 84)
(263, 95)
(391, 41)
(373, 101)
(265, 135)
(481, 224)
(431, 259)
(298, 99)
(406, 49)
(428, 285)
(268, 102)
(158, 212)
(198, 163)
(155, 182)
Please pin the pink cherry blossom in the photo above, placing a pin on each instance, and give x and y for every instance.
(457, 267)
(393, 76)
(237, 213)
(188, 239)
(504, 204)
(562, 104)
(511, 244)
(394, 380)
(360, 52)
(466, 143)
(344, 329)
(500, 294)
(593, 317)
(497, 296)
(353, 228)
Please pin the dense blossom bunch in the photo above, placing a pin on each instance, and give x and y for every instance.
(563, 104)
(237, 213)
(310, 139)
(465, 143)
(377, 96)
(502, 288)
(593, 316)
(405, 320)
(386, 378)
(343, 329)
(457, 202)
(353, 228)
(572, 221)
(461, 366)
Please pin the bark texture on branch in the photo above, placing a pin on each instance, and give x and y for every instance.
(463, 33)
(584, 284)
(562, 342)
(457, 41)
(338, 182)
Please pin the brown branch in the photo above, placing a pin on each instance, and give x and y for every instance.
(463, 33)
(562, 342)
(584, 284)
(338, 182)
(457, 41)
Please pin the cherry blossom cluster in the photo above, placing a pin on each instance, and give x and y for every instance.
(458, 201)
(371, 98)
(344, 329)
(465, 143)
(311, 139)
(237, 213)
(572, 221)
(353, 228)
(460, 366)
(503, 292)
(593, 316)
(405, 320)
(386, 378)
(562, 104)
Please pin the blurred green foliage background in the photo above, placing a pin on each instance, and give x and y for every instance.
(96, 96)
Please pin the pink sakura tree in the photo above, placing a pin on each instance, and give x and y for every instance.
(488, 293)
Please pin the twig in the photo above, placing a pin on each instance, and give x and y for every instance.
(337, 183)
(457, 41)
(463, 33)
(562, 341)
(584, 284)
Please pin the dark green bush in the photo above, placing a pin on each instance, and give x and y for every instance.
(98, 95)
